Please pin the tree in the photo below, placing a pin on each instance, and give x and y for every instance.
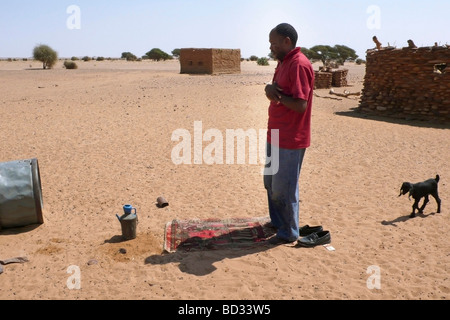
(158, 55)
(176, 52)
(325, 53)
(46, 55)
(311, 55)
(129, 56)
(345, 53)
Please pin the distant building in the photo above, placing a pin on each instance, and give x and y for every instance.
(210, 61)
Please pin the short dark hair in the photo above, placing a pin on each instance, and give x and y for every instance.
(288, 31)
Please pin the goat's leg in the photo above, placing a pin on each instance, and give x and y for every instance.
(436, 196)
(424, 204)
(415, 206)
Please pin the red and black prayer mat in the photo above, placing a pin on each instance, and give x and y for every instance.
(215, 234)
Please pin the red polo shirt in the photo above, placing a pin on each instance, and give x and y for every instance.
(295, 75)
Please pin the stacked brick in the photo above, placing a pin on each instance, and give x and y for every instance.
(324, 80)
(327, 78)
(411, 83)
(340, 78)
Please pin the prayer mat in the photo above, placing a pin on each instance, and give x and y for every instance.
(214, 234)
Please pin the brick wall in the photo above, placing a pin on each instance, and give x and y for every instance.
(196, 61)
(411, 83)
(210, 61)
(226, 61)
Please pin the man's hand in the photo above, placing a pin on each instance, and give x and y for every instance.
(273, 92)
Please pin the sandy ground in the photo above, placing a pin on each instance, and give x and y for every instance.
(102, 135)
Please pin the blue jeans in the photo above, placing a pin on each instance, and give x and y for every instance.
(283, 191)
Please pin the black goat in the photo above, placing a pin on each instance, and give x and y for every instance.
(422, 190)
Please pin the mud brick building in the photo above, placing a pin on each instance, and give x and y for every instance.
(408, 83)
(210, 61)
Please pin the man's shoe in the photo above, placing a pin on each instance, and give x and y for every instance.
(307, 230)
(315, 239)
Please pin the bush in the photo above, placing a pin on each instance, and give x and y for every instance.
(253, 58)
(158, 55)
(176, 53)
(86, 59)
(262, 61)
(70, 65)
(74, 59)
(100, 59)
(129, 56)
(46, 55)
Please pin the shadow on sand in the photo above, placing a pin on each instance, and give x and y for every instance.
(356, 113)
(19, 230)
(201, 263)
(405, 219)
(199, 260)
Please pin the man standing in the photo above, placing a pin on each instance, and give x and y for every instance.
(291, 96)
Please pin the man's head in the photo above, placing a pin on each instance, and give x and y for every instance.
(283, 38)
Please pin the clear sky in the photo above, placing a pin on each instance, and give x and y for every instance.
(109, 27)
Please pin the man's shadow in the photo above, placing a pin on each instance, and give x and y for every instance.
(405, 219)
(197, 255)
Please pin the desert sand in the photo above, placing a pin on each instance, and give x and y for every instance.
(102, 135)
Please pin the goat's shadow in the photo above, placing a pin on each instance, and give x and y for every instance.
(200, 261)
(405, 219)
